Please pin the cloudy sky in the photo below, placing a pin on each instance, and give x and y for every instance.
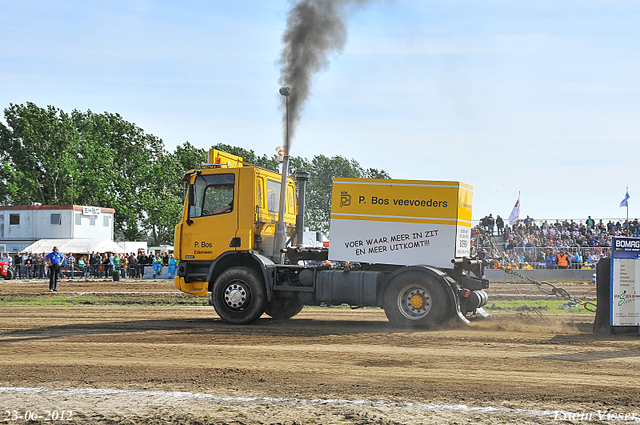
(540, 98)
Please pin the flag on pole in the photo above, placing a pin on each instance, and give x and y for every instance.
(515, 212)
(624, 202)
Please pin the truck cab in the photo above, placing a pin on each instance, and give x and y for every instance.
(231, 210)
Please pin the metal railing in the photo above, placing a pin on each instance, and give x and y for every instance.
(537, 256)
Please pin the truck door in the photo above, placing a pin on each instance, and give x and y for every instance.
(213, 217)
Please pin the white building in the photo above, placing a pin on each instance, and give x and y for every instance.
(22, 225)
(129, 246)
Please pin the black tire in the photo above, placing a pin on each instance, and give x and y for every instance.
(283, 309)
(415, 299)
(9, 275)
(239, 296)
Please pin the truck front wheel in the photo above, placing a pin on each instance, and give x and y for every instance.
(238, 295)
(415, 299)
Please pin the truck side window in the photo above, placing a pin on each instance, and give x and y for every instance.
(273, 196)
(213, 195)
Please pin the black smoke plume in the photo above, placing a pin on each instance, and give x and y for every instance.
(315, 28)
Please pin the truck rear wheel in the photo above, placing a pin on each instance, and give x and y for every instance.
(415, 299)
(238, 295)
(282, 309)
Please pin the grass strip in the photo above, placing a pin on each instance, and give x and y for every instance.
(66, 299)
(544, 306)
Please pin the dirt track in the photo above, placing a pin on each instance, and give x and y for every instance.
(145, 364)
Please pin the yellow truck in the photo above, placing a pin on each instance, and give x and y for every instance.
(402, 245)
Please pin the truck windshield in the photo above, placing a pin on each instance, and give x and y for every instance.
(213, 194)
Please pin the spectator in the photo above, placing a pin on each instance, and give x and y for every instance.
(123, 265)
(106, 265)
(586, 266)
(563, 260)
(133, 266)
(483, 223)
(94, 261)
(27, 265)
(17, 265)
(38, 266)
(7, 259)
(500, 225)
(157, 266)
(142, 262)
(70, 264)
(634, 228)
(82, 266)
(172, 266)
(490, 224)
(528, 222)
(115, 260)
(55, 261)
(576, 260)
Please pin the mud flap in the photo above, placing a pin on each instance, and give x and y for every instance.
(461, 316)
(455, 301)
(482, 312)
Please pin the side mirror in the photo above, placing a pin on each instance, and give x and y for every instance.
(191, 194)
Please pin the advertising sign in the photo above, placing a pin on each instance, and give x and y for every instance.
(401, 222)
(90, 210)
(625, 272)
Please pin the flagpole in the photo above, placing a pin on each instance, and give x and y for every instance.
(627, 206)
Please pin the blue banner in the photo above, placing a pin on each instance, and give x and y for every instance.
(625, 248)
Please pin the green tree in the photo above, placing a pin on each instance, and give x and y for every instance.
(8, 187)
(56, 158)
(119, 161)
(374, 173)
(323, 170)
(164, 199)
(98, 176)
(40, 146)
(190, 157)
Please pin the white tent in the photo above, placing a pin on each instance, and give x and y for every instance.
(75, 246)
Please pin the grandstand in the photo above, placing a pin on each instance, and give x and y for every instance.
(536, 244)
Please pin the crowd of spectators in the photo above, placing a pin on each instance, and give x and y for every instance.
(96, 265)
(542, 244)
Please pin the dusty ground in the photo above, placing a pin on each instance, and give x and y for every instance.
(149, 364)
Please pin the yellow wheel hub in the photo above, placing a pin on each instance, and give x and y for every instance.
(417, 301)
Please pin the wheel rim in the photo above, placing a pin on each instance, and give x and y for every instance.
(237, 295)
(414, 302)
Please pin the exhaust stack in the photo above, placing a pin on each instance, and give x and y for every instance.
(281, 229)
(301, 177)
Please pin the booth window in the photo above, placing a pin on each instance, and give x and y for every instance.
(56, 219)
(14, 219)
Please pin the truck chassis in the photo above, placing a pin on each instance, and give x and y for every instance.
(244, 285)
